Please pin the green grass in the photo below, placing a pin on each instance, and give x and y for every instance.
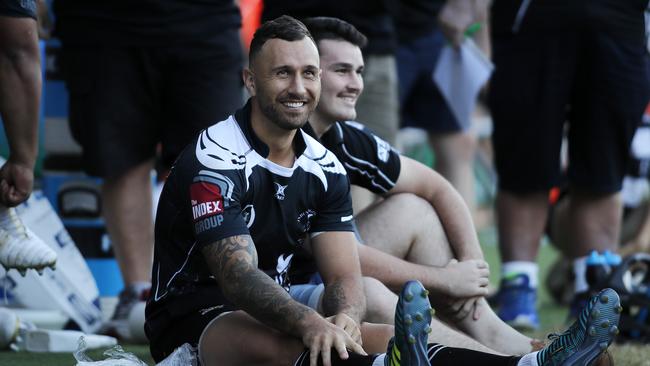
(552, 319)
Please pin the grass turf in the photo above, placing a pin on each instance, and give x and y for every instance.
(552, 319)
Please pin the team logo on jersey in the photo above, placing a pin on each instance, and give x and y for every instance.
(279, 191)
(304, 219)
(206, 199)
(282, 269)
(249, 215)
(383, 148)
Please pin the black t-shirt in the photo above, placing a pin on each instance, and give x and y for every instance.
(622, 17)
(18, 8)
(371, 17)
(370, 162)
(416, 18)
(144, 22)
(222, 185)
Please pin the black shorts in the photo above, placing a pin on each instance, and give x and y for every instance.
(165, 333)
(18, 8)
(596, 81)
(126, 100)
(422, 104)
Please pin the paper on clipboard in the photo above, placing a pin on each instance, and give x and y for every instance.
(460, 74)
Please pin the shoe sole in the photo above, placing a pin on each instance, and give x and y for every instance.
(602, 328)
(413, 324)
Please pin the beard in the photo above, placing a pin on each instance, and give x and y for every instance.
(286, 121)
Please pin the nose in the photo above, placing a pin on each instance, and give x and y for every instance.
(298, 86)
(355, 82)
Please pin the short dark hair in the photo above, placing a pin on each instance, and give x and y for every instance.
(284, 27)
(335, 29)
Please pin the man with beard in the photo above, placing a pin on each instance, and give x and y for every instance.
(220, 281)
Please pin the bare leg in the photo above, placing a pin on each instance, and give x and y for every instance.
(226, 341)
(455, 161)
(521, 224)
(127, 211)
(425, 243)
(595, 222)
(381, 304)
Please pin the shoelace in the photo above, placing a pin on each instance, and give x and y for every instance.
(560, 341)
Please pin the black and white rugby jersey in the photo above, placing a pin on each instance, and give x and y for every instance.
(222, 185)
(370, 162)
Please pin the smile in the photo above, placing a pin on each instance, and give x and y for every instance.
(293, 104)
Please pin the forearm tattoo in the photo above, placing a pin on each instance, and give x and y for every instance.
(336, 301)
(233, 261)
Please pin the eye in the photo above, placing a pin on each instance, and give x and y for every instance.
(282, 73)
(310, 74)
(341, 71)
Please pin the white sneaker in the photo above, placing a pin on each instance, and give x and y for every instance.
(20, 248)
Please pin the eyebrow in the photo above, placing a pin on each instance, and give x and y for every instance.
(287, 67)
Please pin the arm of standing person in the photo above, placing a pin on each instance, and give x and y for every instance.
(233, 262)
(457, 17)
(20, 91)
(338, 264)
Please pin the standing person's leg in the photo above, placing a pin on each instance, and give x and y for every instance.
(528, 130)
(614, 88)
(114, 111)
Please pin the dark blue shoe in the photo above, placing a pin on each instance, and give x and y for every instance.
(588, 337)
(412, 327)
(517, 301)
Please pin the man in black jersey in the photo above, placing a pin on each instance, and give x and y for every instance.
(422, 229)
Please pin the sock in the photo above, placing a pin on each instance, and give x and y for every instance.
(443, 355)
(379, 360)
(529, 359)
(580, 271)
(530, 269)
(354, 359)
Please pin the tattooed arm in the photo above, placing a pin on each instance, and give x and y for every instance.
(233, 261)
(338, 263)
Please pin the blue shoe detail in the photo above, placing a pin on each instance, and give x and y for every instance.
(517, 303)
(412, 327)
(588, 336)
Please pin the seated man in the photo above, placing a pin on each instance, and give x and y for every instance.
(241, 200)
(421, 229)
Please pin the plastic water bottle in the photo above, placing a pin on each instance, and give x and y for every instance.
(597, 270)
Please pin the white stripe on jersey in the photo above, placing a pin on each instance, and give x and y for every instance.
(157, 279)
(229, 152)
(369, 167)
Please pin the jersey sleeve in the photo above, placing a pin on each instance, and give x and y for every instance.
(334, 212)
(371, 162)
(214, 200)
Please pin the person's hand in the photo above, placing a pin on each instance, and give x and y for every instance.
(468, 278)
(458, 309)
(323, 337)
(16, 182)
(454, 19)
(348, 324)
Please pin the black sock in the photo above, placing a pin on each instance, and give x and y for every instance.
(354, 359)
(440, 355)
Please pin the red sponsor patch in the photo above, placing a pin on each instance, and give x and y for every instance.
(206, 200)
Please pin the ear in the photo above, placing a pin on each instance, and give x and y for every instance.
(249, 81)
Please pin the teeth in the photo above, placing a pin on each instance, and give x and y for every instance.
(294, 104)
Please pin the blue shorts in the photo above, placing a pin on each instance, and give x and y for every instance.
(422, 105)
